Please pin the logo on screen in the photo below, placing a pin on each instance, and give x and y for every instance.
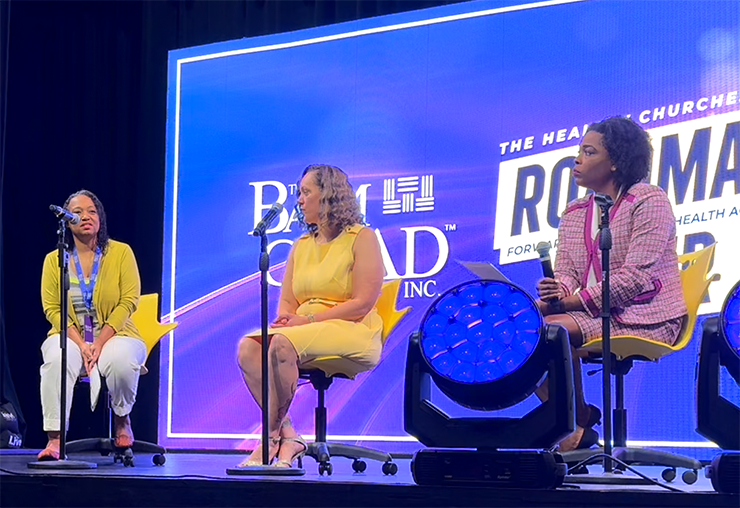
(415, 195)
(407, 194)
(695, 162)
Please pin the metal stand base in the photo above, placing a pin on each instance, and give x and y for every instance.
(62, 464)
(615, 478)
(265, 471)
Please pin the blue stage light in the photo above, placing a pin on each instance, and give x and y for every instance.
(730, 319)
(480, 332)
(718, 418)
(485, 345)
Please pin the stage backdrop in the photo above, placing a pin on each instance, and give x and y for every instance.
(458, 127)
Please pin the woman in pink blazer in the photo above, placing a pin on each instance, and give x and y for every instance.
(645, 286)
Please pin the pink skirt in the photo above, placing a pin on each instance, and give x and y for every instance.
(666, 332)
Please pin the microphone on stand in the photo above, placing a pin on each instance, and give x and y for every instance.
(64, 214)
(604, 201)
(262, 226)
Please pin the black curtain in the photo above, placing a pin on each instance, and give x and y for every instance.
(86, 84)
(7, 389)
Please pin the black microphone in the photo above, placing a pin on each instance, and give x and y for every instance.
(65, 215)
(543, 249)
(267, 219)
(604, 201)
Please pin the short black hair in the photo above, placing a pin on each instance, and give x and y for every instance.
(103, 237)
(629, 149)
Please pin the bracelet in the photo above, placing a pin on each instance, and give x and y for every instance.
(311, 318)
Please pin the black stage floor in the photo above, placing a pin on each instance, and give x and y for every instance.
(199, 479)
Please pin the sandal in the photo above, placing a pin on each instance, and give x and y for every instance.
(589, 438)
(298, 456)
(249, 462)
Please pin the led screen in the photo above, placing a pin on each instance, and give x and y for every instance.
(458, 127)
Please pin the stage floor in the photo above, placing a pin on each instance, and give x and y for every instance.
(190, 479)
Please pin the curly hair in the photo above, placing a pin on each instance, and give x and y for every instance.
(338, 204)
(629, 149)
(102, 240)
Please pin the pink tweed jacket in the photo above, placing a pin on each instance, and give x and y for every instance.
(645, 280)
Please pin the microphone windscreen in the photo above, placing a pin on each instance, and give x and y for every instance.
(543, 249)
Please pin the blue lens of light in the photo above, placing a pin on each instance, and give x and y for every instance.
(496, 292)
(463, 373)
(517, 302)
(444, 363)
(527, 321)
(511, 360)
(730, 320)
(467, 352)
(487, 372)
(505, 332)
(436, 325)
(472, 294)
(480, 332)
(456, 334)
(491, 350)
(450, 305)
(469, 314)
(494, 314)
(434, 346)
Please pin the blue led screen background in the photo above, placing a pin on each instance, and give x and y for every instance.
(436, 116)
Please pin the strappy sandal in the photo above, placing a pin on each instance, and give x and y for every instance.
(248, 462)
(297, 456)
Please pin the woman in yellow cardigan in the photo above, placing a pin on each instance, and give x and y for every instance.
(101, 339)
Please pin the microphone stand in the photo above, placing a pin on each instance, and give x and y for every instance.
(265, 469)
(63, 463)
(605, 244)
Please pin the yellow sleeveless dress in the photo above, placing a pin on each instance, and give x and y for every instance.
(322, 278)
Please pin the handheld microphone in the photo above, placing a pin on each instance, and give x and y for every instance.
(262, 226)
(543, 249)
(65, 215)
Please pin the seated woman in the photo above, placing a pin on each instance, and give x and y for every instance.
(332, 281)
(101, 339)
(646, 295)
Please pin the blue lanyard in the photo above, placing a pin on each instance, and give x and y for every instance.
(87, 290)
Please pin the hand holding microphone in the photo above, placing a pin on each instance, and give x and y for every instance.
(548, 289)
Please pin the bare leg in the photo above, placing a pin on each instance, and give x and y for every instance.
(291, 443)
(282, 383)
(124, 435)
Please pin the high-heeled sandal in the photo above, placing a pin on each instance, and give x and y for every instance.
(296, 456)
(248, 462)
(589, 438)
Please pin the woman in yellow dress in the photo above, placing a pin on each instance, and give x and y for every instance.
(332, 281)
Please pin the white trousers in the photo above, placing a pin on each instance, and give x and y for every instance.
(119, 363)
